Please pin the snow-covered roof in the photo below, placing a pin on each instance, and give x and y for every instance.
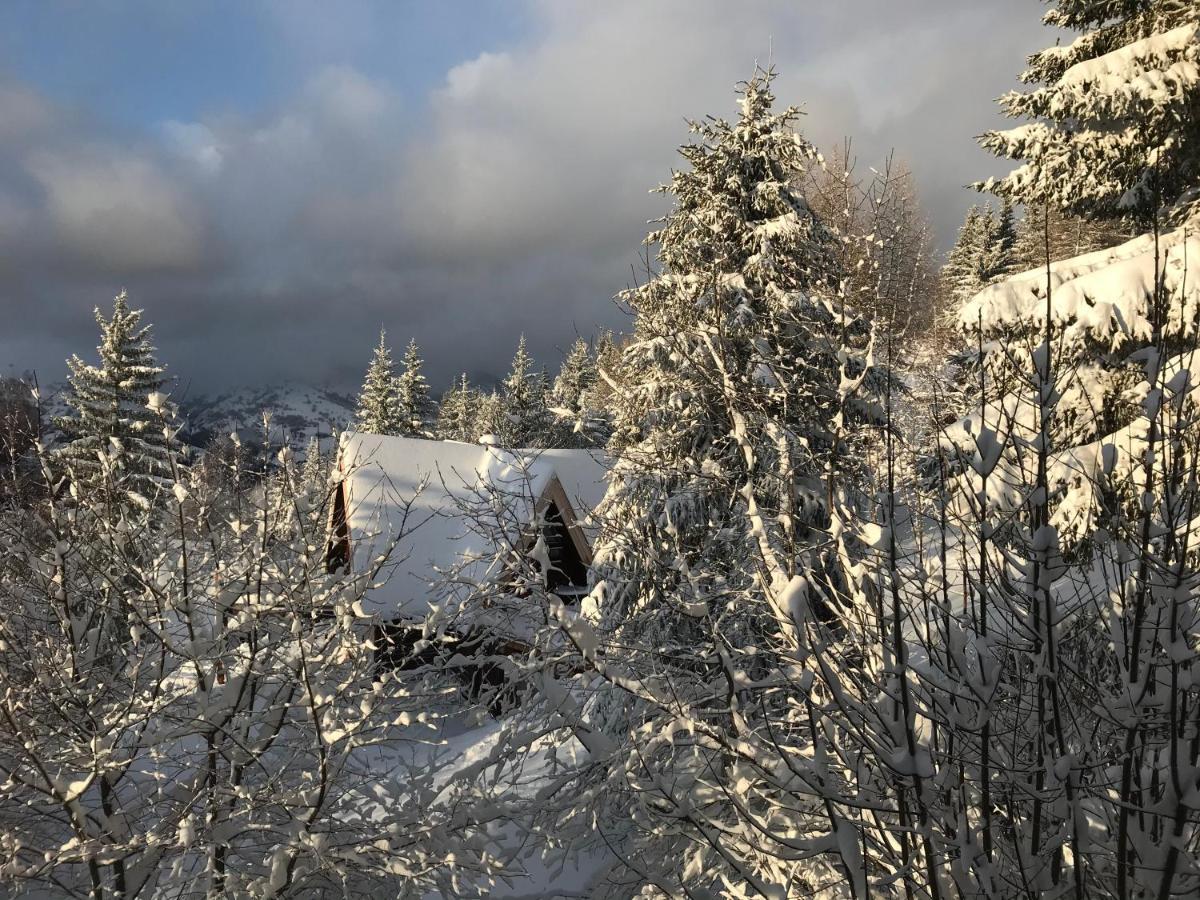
(418, 493)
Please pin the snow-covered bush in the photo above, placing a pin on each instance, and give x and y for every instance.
(189, 703)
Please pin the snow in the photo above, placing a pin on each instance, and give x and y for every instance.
(414, 491)
(1103, 295)
(1130, 70)
(298, 412)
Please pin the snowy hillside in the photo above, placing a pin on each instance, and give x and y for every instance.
(298, 411)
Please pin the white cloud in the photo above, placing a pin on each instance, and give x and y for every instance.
(513, 197)
(118, 211)
(195, 143)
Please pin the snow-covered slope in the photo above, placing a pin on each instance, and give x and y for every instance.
(297, 413)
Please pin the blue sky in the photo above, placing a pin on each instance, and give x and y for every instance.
(274, 181)
(139, 63)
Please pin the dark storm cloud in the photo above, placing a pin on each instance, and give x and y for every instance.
(511, 198)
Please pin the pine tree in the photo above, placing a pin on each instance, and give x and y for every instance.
(379, 410)
(1112, 127)
(526, 412)
(412, 395)
(571, 398)
(491, 420)
(962, 275)
(314, 476)
(734, 431)
(114, 429)
(456, 413)
(1000, 257)
(984, 252)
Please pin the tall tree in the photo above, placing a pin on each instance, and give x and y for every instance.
(412, 395)
(581, 423)
(524, 392)
(491, 420)
(736, 408)
(962, 275)
(456, 413)
(1000, 258)
(379, 410)
(111, 431)
(1112, 126)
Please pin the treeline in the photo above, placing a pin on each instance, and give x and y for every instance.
(528, 410)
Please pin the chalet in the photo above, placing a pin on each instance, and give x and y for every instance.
(445, 505)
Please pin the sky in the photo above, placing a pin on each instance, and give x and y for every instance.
(273, 181)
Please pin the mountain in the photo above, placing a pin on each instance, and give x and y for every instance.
(297, 412)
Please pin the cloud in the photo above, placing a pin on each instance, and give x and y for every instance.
(510, 197)
(118, 213)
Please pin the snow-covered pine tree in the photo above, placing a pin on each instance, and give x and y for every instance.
(740, 385)
(111, 433)
(608, 373)
(576, 375)
(579, 423)
(1112, 126)
(524, 393)
(490, 419)
(379, 410)
(314, 476)
(984, 251)
(1000, 257)
(456, 412)
(962, 275)
(412, 395)
(1114, 138)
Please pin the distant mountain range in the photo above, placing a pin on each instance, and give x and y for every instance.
(297, 413)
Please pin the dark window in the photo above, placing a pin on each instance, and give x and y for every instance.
(337, 557)
(568, 575)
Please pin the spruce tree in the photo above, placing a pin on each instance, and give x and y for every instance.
(491, 419)
(412, 395)
(526, 414)
(734, 430)
(962, 275)
(571, 398)
(1111, 125)
(456, 413)
(315, 473)
(379, 410)
(984, 252)
(1000, 258)
(575, 377)
(115, 427)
